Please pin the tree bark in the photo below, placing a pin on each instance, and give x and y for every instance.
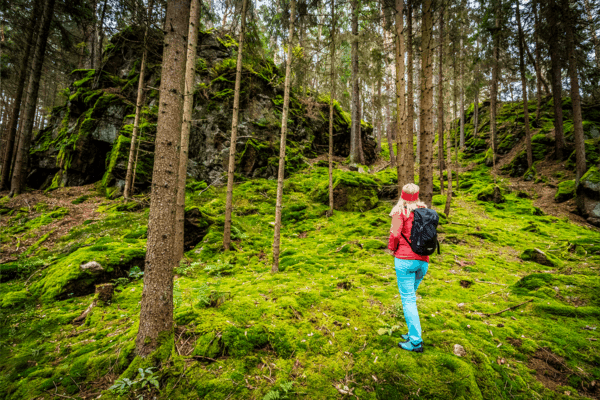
(156, 313)
(234, 129)
(188, 105)
(354, 65)
(22, 157)
(388, 126)
(359, 145)
(524, 88)
(449, 173)
(100, 32)
(401, 141)
(476, 101)
(331, 99)
(380, 123)
(284, 117)
(410, 100)
(555, 52)
(538, 73)
(462, 97)
(495, 74)
(578, 136)
(441, 101)
(592, 28)
(11, 130)
(128, 190)
(426, 166)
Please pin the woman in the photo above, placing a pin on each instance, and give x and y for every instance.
(410, 267)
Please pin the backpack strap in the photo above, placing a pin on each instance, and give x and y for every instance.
(438, 246)
(407, 241)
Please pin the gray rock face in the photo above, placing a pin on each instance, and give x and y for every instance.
(588, 196)
(92, 266)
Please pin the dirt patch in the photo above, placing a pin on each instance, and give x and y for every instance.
(552, 371)
(78, 213)
(514, 342)
(466, 284)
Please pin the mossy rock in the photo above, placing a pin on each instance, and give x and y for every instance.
(540, 257)
(565, 191)
(592, 154)
(14, 299)
(66, 278)
(588, 195)
(491, 193)
(352, 191)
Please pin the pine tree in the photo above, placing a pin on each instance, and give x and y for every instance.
(580, 164)
(11, 132)
(521, 41)
(495, 77)
(410, 106)
(188, 104)
(22, 156)
(556, 75)
(401, 141)
(331, 97)
(234, 129)
(284, 119)
(354, 157)
(156, 313)
(426, 166)
(441, 101)
(128, 190)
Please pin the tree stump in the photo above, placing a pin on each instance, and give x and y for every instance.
(104, 292)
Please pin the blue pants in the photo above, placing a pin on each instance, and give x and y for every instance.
(410, 273)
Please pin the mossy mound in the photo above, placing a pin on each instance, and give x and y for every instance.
(66, 278)
(565, 191)
(491, 193)
(352, 191)
(541, 257)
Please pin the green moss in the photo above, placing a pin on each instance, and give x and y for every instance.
(66, 276)
(565, 191)
(15, 299)
(592, 175)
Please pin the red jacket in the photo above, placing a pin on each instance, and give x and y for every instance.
(397, 244)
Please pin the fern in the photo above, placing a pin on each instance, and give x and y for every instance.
(275, 395)
(272, 395)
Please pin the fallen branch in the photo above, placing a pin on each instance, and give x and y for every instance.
(509, 308)
(491, 283)
(204, 358)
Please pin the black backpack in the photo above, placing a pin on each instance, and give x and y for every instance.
(423, 235)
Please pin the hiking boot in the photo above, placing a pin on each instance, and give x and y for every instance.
(408, 346)
(405, 338)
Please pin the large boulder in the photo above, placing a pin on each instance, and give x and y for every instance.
(588, 196)
(352, 191)
(565, 191)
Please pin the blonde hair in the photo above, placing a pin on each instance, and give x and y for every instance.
(406, 207)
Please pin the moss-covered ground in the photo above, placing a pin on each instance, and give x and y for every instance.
(328, 324)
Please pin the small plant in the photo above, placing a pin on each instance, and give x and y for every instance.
(282, 393)
(136, 273)
(387, 329)
(220, 268)
(127, 387)
(208, 297)
(120, 281)
(186, 268)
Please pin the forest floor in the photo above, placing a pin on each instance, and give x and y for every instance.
(327, 325)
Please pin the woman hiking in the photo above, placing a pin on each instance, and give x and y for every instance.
(410, 267)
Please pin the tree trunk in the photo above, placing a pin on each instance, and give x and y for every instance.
(418, 107)
(426, 166)
(449, 173)
(575, 97)
(440, 101)
(388, 127)
(524, 88)
(495, 74)
(188, 104)
(20, 172)
(331, 97)
(100, 32)
(354, 64)
(538, 73)
(359, 146)
(476, 101)
(284, 116)
(11, 130)
(592, 28)
(555, 55)
(462, 97)
(401, 141)
(156, 313)
(410, 100)
(128, 190)
(380, 123)
(234, 129)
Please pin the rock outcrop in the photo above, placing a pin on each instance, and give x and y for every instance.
(588, 196)
(89, 137)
